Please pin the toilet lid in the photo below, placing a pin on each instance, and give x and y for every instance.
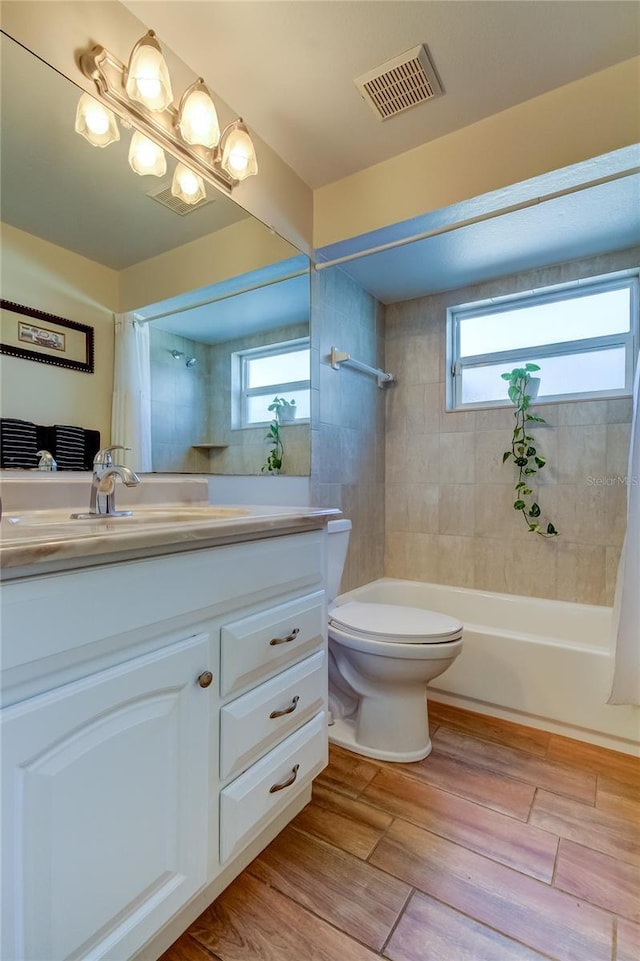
(391, 621)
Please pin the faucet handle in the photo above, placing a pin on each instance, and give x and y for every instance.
(104, 459)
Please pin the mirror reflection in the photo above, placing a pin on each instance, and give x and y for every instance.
(85, 238)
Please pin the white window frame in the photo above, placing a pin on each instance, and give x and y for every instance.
(455, 364)
(241, 393)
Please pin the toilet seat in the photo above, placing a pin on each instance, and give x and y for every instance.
(394, 623)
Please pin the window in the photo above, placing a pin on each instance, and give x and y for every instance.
(582, 335)
(262, 373)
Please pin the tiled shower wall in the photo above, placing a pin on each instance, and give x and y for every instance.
(193, 406)
(347, 411)
(449, 513)
(178, 403)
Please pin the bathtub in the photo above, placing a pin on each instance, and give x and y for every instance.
(534, 661)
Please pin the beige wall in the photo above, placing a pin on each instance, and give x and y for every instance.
(39, 274)
(449, 513)
(238, 249)
(576, 122)
(347, 409)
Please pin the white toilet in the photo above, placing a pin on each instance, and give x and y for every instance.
(381, 657)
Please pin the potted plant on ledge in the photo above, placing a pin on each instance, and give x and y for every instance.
(523, 452)
(284, 412)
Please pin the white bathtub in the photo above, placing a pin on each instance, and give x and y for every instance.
(538, 662)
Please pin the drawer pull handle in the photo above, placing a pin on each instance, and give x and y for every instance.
(205, 679)
(287, 639)
(290, 780)
(287, 710)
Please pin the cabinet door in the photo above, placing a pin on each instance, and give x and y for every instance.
(105, 798)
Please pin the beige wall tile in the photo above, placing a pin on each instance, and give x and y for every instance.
(581, 573)
(457, 458)
(455, 560)
(488, 565)
(611, 564)
(457, 509)
(530, 566)
(581, 453)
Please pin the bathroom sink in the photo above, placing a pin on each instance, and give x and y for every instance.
(141, 515)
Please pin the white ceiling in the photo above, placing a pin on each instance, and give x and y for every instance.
(288, 67)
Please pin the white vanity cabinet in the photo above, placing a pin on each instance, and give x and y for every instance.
(105, 781)
(158, 719)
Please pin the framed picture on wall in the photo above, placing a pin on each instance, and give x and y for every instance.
(35, 335)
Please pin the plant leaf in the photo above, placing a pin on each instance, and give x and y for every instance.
(506, 456)
(531, 451)
(513, 395)
(551, 529)
(540, 461)
(519, 505)
(534, 510)
(531, 367)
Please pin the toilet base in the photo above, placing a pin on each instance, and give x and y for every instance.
(343, 733)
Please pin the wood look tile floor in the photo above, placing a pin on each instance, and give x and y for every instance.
(506, 844)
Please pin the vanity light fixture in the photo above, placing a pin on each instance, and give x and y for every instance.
(198, 119)
(238, 152)
(187, 186)
(147, 76)
(146, 157)
(95, 123)
(140, 95)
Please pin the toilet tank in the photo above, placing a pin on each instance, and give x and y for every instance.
(338, 532)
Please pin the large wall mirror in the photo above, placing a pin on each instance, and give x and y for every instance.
(84, 237)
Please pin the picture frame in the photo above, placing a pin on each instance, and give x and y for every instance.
(50, 339)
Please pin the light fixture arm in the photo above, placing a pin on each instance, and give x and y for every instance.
(109, 76)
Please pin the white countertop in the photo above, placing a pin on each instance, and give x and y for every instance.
(48, 540)
(28, 548)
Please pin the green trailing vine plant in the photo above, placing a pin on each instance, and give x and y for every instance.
(275, 457)
(524, 453)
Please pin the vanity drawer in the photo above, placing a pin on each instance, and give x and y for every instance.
(255, 798)
(255, 722)
(258, 646)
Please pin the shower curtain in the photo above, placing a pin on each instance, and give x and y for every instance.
(626, 611)
(131, 408)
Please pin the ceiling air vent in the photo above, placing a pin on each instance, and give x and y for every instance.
(401, 83)
(164, 196)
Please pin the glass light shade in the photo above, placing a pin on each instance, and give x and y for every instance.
(198, 121)
(238, 152)
(146, 157)
(187, 185)
(148, 79)
(95, 123)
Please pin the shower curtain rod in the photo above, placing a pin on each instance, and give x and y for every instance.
(480, 218)
(227, 296)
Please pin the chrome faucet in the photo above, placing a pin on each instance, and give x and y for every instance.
(105, 473)
(47, 461)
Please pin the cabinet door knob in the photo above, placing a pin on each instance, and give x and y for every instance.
(205, 679)
(287, 710)
(287, 783)
(287, 639)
